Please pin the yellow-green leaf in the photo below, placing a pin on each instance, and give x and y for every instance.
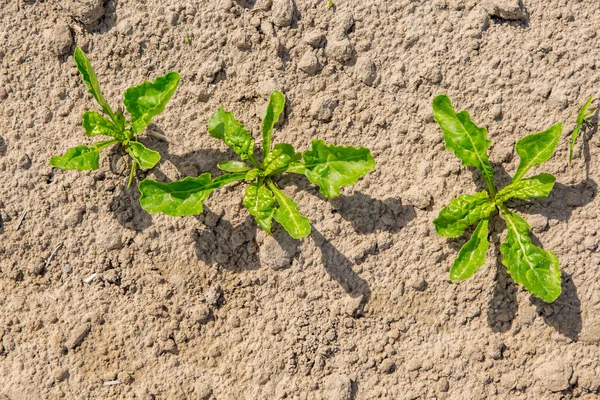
(536, 148)
(145, 157)
(582, 117)
(274, 110)
(462, 212)
(296, 224)
(89, 77)
(81, 158)
(260, 202)
(234, 166)
(279, 159)
(535, 187)
(224, 126)
(472, 255)
(96, 124)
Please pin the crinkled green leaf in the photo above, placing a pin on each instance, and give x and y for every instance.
(468, 141)
(535, 187)
(144, 157)
(253, 174)
(274, 110)
(581, 119)
(331, 167)
(223, 125)
(234, 166)
(89, 77)
(462, 212)
(472, 255)
(259, 200)
(96, 124)
(278, 159)
(531, 266)
(296, 224)
(81, 158)
(183, 197)
(536, 148)
(149, 99)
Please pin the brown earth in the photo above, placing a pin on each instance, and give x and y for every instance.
(209, 307)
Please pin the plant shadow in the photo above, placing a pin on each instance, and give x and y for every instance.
(3, 147)
(339, 268)
(564, 314)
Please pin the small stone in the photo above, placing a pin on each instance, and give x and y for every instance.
(36, 267)
(202, 93)
(309, 63)
(74, 217)
(240, 40)
(212, 296)
(277, 253)
(340, 50)
(554, 375)
(443, 385)
(111, 276)
(78, 335)
(337, 387)
(344, 22)
(366, 71)
(387, 366)
(203, 390)
(413, 365)
(109, 239)
(418, 197)
(314, 38)
(505, 9)
(125, 26)
(24, 161)
(538, 222)
(124, 378)
(322, 108)
(282, 12)
(61, 374)
(85, 11)
(199, 313)
(497, 112)
(420, 285)
(62, 39)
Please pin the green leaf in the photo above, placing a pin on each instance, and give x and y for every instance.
(581, 119)
(89, 77)
(223, 125)
(259, 200)
(234, 166)
(149, 99)
(96, 124)
(145, 157)
(533, 267)
(472, 255)
(297, 225)
(274, 110)
(81, 158)
(331, 167)
(253, 174)
(468, 141)
(462, 212)
(536, 148)
(279, 159)
(183, 197)
(535, 187)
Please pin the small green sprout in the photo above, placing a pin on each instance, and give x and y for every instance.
(330, 4)
(582, 119)
(142, 102)
(531, 266)
(328, 166)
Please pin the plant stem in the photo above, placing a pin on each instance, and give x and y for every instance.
(133, 165)
(253, 161)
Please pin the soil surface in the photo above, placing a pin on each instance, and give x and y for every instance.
(100, 300)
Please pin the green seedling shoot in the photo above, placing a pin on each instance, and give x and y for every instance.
(142, 102)
(582, 119)
(531, 266)
(328, 166)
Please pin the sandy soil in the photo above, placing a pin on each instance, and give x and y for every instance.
(209, 307)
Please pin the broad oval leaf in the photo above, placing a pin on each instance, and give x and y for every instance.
(274, 110)
(89, 77)
(149, 99)
(468, 141)
(296, 224)
(535, 187)
(536, 148)
(472, 255)
(462, 212)
(96, 124)
(260, 201)
(331, 167)
(183, 197)
(80, 158)
(279, 159)
(531, 266)
(581, 119)
(223, 125)
(234, 166)
(144, 157)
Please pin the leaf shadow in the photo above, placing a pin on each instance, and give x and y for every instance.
(564, 314)
(339, 268)
(127, 210)
(3, 147)
(589, 132)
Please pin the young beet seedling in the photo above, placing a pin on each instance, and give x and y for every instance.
(143, 102)
(329, 167)
(582, 119)
(531, 266)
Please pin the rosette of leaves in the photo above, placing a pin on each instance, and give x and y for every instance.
(142, 102)
(529, 265)
(328, 166)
